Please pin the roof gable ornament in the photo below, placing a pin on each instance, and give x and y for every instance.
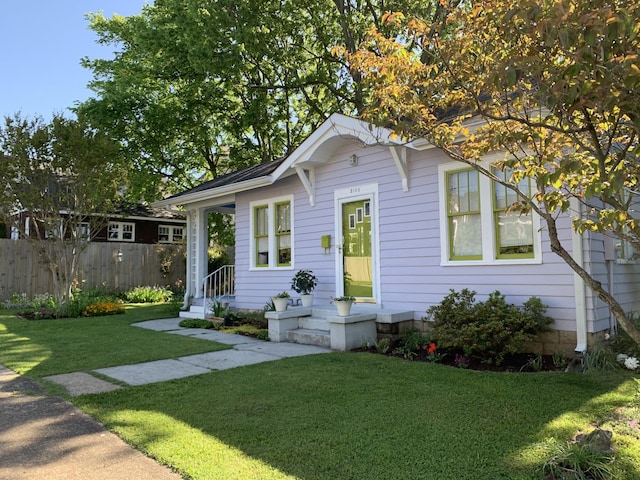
(308, 179)
(399, 155)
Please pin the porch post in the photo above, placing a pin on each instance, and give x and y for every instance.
(201, 245)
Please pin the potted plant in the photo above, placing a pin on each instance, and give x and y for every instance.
(280, 301)
(304, 282)
(343, 304)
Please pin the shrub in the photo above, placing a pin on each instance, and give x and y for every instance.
(148, 294)
(195, 323)
(486, 331)
(103, 308)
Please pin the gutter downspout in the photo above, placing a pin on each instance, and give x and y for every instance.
(579, 288)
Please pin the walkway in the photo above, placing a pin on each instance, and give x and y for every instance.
(47, 437)
(245, 351)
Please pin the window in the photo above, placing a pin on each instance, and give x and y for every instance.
(121, 232)
(272, 233)
(514, 230)
(83, 230)
(463, 212)
(479, 221)
(170, 234)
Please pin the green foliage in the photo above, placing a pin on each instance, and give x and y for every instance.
(383, 345)
(219, 309)
(410, 343)
(553, 91)
(195, 323)
(148, 294)
(63, 173)
(304, 282)
(217, 257)
(572, 461)
(489, 330)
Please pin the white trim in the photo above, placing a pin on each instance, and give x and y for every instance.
(121, 232)
(489, 250)
(579, 286)
(270, 204)
(171, 234)
(351, 194)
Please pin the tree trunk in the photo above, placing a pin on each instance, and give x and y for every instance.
(592, 283)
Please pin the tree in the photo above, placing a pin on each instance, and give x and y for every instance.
(64, 175)
(198, 88)
(556, 87)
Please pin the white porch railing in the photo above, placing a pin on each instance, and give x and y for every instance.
(221, 283)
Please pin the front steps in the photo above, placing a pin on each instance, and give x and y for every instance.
(323, 327)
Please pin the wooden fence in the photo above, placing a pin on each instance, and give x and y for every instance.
(112, 265)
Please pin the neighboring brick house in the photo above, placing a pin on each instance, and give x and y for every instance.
(133, 224)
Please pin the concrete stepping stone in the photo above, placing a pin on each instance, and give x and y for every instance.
(80, 383)
(152, 372)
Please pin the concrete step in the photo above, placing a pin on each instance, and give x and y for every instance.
(313, 323)
(191, 314)
(309, 336)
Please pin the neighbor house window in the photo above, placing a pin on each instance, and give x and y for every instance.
(481, 222)
(272, 233)
(83, 230)
(170, 234)
(121, 232)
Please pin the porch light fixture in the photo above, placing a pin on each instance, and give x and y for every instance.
(353, 160)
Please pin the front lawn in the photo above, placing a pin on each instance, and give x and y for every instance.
(38, 348)
(331, 416)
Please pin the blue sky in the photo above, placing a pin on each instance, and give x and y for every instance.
(42, 42)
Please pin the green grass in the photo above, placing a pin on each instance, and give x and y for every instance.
(351, 416)
(46, 347)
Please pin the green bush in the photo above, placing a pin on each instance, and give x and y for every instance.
(148, 294)
(195, 323)
(486, 331)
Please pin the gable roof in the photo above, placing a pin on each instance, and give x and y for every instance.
(315, 150)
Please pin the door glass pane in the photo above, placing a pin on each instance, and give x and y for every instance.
(356, 241)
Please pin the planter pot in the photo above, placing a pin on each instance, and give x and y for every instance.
(307, 300)
(280, 303)
(344, 308)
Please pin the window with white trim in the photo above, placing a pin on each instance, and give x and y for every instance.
(170, 234)
(121, 232)
(83, 230)
(272, 233)
(480, 221)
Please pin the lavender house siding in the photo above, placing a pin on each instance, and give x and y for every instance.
(411, 274)
(404, 182)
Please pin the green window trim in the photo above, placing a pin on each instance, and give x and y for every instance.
(282, 219)
(261, 235)
(463, 208)
(502, 199)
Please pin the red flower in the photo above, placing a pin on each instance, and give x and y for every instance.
(432, 347)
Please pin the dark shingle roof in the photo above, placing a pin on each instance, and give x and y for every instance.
(244, 174)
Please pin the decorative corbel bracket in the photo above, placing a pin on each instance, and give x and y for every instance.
(399, 155)
(308, 179)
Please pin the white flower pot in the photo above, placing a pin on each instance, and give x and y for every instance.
(307, 300)
(344, 308)
(280, 303)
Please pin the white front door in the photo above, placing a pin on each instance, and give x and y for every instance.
(357, 243)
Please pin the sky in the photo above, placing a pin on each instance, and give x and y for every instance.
(41, 44)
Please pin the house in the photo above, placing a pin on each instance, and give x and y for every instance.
(132, 224)
(396, 224)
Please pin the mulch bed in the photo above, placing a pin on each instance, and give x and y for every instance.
(516, 363)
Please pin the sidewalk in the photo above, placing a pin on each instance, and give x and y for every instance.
(47, 437)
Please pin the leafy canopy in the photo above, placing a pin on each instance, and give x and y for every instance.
(553, 86)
